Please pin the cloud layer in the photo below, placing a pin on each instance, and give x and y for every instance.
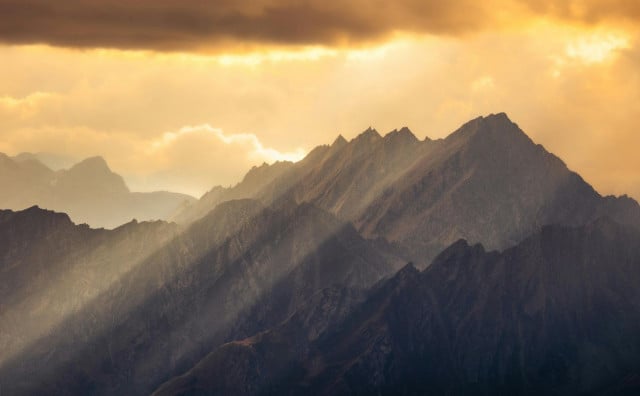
(574, 87)
(192, 159)
(202, 25)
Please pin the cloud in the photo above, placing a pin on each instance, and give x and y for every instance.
(195, 158)
(574, 89)
(596, 48)
(23, 107)
(192, 159)
(200, 25)
(247, 142)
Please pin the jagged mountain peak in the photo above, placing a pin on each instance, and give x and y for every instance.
(52, 161)
(25, 156)
(501, 123)
(499, 117)
(91, 175)
(28, 166)
(215, 190)
(339, 141)
(456, 252)
(403, 133)
(408, 271)
(369, 134)
(96, 163)
(6, 161)
(37, 215)
(259, 171)
(495, 127)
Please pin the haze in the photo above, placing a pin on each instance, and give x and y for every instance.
(185, 95)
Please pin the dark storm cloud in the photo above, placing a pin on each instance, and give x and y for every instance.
(198, 24)
(211, 25)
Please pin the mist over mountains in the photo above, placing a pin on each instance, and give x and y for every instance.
(474, 264)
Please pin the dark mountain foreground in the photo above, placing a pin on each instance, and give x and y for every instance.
(240, 270)
(556, 314)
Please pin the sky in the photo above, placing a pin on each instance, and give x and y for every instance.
(183, 95)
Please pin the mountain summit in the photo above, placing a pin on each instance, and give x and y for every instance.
(486, 182)
(91, 175)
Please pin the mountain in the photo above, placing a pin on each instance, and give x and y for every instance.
(487, 182)
(51, 267)
(295, 281)
(555, 314)
(88, 191)
(52, 161)
(240, 270)
(253, 182)
(23, 182)
(91, 176)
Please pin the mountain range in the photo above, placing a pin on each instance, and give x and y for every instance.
(486, 182)
(555, 314)
(474, 264)
(89, 192)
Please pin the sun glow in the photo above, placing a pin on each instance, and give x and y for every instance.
(596, 48)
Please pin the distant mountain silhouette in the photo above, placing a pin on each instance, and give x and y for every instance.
(52, 161)
(88, 191)
(556, 314)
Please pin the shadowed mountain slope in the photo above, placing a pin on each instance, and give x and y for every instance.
(50, 268)
(556, 314)
(241, 269)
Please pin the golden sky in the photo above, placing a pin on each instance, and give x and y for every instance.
(183, 95)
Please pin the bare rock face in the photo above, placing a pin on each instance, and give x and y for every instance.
(556, 314)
